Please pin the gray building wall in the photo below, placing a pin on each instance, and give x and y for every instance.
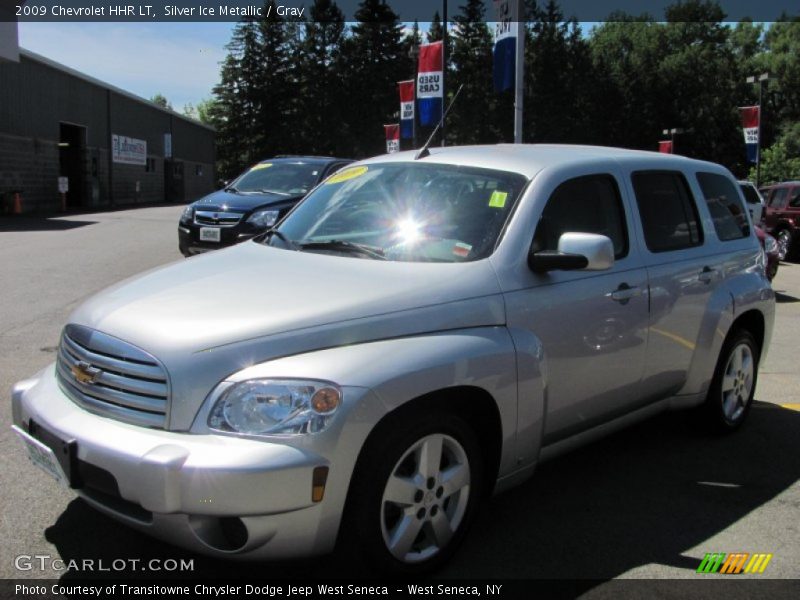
(37, 96)
(9, 41)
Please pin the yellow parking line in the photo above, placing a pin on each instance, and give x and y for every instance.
(675, 338)
(792, 406)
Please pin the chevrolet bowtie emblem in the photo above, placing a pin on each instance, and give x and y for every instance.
(85, 373)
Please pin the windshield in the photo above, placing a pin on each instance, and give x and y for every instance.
(405, 212)
(289, 178)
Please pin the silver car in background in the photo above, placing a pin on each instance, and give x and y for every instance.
(418, 333)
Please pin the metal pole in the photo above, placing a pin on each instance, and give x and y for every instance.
(760, 126)
(520, 72)
(444, 62)
(109, 135)
(414, 120)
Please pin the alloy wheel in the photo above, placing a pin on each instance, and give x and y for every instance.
(425, 498)
(737, 382)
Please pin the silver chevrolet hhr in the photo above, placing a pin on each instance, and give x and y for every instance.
(418, 333)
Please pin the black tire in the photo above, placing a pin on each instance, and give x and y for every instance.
(732, 388)
(373, 521)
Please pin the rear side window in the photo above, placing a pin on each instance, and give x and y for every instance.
(725, 206)
(778, 198)
(794, 198)
(668, 213)
(750, 194)
(589, 204)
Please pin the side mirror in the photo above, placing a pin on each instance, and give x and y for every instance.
(588, 251)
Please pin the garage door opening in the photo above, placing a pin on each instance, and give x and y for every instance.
(71, 150)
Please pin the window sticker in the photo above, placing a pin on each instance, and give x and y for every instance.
(260, 166)
(346, 174)
(461, 249)
(498, 199)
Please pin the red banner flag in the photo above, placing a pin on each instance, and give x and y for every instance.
(430, 88)
(406, 108)
(392, 137)
(750, 124)
(665, 146)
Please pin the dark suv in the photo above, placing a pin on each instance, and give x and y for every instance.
(251, 203)
(783, 216)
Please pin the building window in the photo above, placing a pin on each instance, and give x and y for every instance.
(198, 170)
(150, 165)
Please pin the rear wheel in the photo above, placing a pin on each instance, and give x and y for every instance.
(415, 492)
(731, 393)
(784, 239)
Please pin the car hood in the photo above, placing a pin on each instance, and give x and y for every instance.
(210, 316)
(241, 202)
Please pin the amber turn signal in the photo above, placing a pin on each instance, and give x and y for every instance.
(325, 400)
(318, 479)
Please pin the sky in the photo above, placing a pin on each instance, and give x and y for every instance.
(177, 60)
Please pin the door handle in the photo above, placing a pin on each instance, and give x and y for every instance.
(624, 293)
(707, 275)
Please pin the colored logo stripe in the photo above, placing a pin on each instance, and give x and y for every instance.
(758, 563)
(734, 563)
(711, 562)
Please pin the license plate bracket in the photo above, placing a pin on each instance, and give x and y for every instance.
(210, 234)
(57, 457)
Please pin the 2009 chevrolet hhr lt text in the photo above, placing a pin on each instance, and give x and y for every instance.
(419, 332)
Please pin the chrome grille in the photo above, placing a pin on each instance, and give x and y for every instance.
(117, 379)
(218, 219)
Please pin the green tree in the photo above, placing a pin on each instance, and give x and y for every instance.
(321, 99)
(471, 120)
(435, 31)
(276, 85)
(777, 164)
(233, 110)
(373, 62)
(559, 79)
(161, 101)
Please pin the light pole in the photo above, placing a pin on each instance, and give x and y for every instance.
(760, 79)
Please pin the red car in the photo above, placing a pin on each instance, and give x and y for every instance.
(783, 216)
(770, 247)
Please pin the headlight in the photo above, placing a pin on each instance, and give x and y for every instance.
(263, 218)
(771, 244)
(274, 406)
(187, 213)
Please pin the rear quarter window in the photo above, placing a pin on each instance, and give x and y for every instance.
(667, 210)
(725, 206)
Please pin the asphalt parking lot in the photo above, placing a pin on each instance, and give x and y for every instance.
(646, 503)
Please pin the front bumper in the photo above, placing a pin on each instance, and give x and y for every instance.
(215, 494)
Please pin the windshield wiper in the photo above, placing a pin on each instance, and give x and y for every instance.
(289, 243)
(232, 189)
(345, 246)
(276, 192)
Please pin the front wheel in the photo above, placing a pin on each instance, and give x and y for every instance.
(415, 493)
(732, 389)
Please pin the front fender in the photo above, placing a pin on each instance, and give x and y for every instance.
(401, 369)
